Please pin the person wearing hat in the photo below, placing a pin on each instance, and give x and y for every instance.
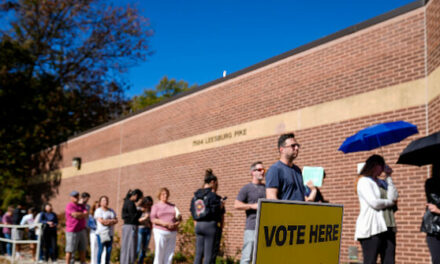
(76, 235)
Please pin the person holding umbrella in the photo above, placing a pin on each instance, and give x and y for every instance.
(430, 226)
(371, 227)
(425, 151)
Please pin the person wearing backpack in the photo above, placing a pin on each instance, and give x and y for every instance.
(207, 209)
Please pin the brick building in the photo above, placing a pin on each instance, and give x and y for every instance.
(384, 69)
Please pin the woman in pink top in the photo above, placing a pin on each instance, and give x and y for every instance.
(165, 218)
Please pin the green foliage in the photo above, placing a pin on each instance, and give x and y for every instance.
(165, 89)
(60, 68)
(116, 248)
(186, 242)
(185, 247)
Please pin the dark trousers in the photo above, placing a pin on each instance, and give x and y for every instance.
(49, 242)
(206, 242)
(383, 244)
(434, 248)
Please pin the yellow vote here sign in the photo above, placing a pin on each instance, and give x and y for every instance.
(297, 232)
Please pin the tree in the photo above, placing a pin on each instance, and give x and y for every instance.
(61, 64)
(165, 89)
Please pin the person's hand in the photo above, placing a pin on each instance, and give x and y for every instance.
(433, 208)
(388, 170)
(172, 225)
(310, 185)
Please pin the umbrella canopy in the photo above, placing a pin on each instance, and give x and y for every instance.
(377, 136)
(423, 151)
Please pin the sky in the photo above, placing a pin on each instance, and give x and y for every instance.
(196, 40)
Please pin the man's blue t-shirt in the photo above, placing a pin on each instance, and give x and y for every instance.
(288, 181)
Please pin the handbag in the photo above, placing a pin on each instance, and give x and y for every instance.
(104, 235)
(430, 223)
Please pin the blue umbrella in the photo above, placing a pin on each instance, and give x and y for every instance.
(378, 135)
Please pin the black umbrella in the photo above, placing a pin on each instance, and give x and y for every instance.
(422, 151)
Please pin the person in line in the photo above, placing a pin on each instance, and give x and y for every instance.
(17, 233)
(84, 199)
(76, 233)
(319, 198)
(371, 228)
(49, 233)
(7, 220)
(29, 219)
(106, 219)
(91, 224)
(207, 210)
(165, 218)
(284, 179)
(387, 189)
(144, 228)
(130, 216)
(38, 233)
(432, 190)
(247, 200)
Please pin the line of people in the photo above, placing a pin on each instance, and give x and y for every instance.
(21, 216)
(375, 226)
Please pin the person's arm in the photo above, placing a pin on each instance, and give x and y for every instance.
(365, 190)
(78, 215)
(392, 193)
(272, 193)
(43, 219)
(313, 191)
(241, 202)
(24, 220)
(239, 205)
(272, 183)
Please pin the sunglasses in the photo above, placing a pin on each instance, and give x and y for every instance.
(296, 145)
(260, 170)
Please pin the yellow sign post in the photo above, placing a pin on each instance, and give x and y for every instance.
(297, 232)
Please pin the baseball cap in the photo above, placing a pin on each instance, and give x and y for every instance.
(74, 193)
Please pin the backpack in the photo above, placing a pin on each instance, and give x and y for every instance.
(204, 207)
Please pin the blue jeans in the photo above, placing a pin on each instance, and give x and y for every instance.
(144, 235)
(108, 249)
(8, 245)
(248, 246)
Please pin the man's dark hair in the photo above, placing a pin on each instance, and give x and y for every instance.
(282, 139)
(254, 165)
(85, 195)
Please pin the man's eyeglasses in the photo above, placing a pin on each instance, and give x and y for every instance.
(260, 170)
(296, 145)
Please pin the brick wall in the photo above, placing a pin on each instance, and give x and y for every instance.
(390, 53)
(433, 34)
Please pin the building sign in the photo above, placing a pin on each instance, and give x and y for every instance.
(297, 232)
(220, 137)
